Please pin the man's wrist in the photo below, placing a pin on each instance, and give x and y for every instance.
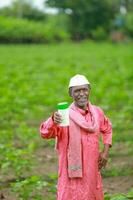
(106, 148)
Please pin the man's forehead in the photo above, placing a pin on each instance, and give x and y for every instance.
(80, 87)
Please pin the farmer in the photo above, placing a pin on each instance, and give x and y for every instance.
(80, 161)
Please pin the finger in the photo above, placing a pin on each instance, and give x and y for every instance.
(58, 117)
(99, 160)
(99, 163)
(100, 166)
(57, 114)
(57, 121)
(103, 163)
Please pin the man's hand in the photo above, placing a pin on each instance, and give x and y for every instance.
(57, 118)
(103, 159)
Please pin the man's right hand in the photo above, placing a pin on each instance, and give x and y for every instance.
(57, 118)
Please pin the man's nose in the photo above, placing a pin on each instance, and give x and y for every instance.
(81, 92)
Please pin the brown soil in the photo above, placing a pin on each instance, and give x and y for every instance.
(47, 163)
(119, 184)
(112, 185)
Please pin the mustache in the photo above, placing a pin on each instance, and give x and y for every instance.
(82, 98)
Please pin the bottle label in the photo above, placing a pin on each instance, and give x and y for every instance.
(65, 117)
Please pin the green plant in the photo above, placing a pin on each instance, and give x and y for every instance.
(13, 30)
(29, 94)
(107, 196)
(99, 34)
(128, 24)
(130, 194)
(119, 197)
(15, 160)
(29, 188)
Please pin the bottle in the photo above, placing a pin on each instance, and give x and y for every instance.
(63, 110)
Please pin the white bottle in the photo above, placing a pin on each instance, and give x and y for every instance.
(63, 110)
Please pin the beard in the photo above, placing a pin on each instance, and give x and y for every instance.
(81, 103)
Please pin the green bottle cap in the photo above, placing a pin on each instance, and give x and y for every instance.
(62, 105)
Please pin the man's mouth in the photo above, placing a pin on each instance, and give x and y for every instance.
(82, 99)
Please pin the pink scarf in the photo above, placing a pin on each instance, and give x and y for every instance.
(77, 121)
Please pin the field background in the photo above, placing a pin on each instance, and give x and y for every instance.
(33, 79)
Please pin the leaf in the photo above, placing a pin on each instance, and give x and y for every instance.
(119, 197)
(130, 194)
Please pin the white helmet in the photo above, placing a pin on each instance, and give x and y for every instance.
(78, 80)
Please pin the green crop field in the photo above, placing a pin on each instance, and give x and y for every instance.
(33, 79)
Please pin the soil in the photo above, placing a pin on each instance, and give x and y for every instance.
(120, 184)
(112, 185)
(47, 163)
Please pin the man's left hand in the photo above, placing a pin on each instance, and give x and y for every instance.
(103, 159)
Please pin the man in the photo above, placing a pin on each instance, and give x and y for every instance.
(78, 145)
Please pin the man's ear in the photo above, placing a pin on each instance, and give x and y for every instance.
(70, 92)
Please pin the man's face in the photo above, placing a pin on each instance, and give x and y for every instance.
(80, 95)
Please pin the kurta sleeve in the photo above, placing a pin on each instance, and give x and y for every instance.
(49, 130)
(105, 128)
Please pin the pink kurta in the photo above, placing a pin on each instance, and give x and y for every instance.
(89, 187)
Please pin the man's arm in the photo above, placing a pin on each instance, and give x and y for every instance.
(49, 128)
(106, 131)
